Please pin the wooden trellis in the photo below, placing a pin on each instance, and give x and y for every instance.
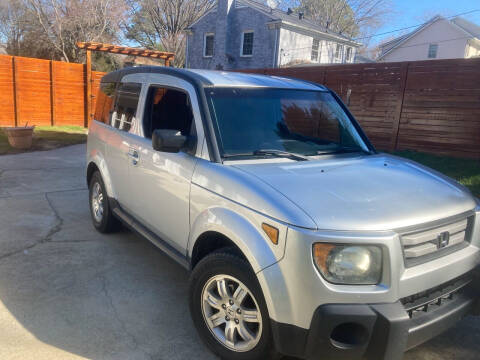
(115, 49)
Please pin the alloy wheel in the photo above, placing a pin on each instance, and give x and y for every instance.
(97, 202)
(231, 313)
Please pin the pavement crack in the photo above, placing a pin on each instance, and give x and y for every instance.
(66, 190)
(59, 223)
(123, 326)
(55, 229)
(44, 168)
(48, 192)
(4, 256)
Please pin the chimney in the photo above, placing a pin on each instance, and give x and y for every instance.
(224, 8)
(300, 15)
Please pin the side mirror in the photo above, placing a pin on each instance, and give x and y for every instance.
(171, 141)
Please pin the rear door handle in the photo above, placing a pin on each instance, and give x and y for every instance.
(133, 154)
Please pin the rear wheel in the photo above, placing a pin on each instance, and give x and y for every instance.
(228, 308)
(102, 216)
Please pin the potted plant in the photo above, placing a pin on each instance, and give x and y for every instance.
(20, 137)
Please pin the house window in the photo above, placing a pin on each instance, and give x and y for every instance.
(338, 52)
(247, 43)
(315, 46)
(432, 51)
(208, 45)
(349, 54)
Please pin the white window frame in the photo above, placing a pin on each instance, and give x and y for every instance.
(205, 44)
(317, 51)
(340, 48)
(436, 51)
(241, 45)
(348, 53)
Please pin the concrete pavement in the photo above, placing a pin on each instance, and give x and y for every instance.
(68, 292)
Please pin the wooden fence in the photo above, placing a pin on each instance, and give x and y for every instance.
(431, 106)
(43, 92)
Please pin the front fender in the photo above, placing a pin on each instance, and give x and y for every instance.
(246, 233)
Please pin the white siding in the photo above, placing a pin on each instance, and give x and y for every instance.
(451, 42)
(473, 49)
(295, 47)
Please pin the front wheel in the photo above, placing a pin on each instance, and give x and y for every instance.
(102, 216)
(228, 308)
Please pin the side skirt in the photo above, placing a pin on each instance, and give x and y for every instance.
(140, 229)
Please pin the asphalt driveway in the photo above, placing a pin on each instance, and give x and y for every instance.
(68, 292)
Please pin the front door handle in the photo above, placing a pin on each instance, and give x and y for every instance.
(133, 154)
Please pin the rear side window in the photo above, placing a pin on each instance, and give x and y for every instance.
(104, 104)
(167, 109)
(123, 117)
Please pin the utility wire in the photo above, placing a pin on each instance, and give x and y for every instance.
(400, 29)
(399, 47)
(405, 28)
(413, 26)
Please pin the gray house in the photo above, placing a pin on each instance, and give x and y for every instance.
(241, 34)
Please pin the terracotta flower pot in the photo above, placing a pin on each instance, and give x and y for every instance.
(20, 137)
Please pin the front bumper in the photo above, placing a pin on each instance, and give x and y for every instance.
(381, 331)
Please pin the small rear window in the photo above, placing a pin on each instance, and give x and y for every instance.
(123, 117)
(104, 104)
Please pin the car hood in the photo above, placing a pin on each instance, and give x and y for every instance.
(375, 192)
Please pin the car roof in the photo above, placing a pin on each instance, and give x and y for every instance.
(217, 78)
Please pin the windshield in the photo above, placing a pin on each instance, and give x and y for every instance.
(277, 121)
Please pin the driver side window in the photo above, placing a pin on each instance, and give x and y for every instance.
(167, 109)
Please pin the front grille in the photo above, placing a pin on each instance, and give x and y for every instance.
(428, 243)
(431, 299)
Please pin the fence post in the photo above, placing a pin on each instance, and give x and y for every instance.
(52, 95)
(399, 107)
(88, 116)
(14, 78)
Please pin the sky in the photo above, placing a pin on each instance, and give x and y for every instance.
(413, 12)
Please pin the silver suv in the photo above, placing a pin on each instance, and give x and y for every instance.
(301, 239)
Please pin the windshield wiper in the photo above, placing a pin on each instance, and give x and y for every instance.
(272, 152)
(342, 150)
(281, 153)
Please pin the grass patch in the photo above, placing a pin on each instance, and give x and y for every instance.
(47, 138)
(465, 171)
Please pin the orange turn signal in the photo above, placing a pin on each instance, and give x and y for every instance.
(272, 232)
(320, 255)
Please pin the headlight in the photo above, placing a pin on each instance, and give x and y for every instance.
(348, 264)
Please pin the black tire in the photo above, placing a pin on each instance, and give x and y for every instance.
(108, 223)
(227, 263)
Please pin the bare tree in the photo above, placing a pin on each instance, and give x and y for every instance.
(160, 24)
(352, 18)
(12, 24)
(17, 30)
(65, 22)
